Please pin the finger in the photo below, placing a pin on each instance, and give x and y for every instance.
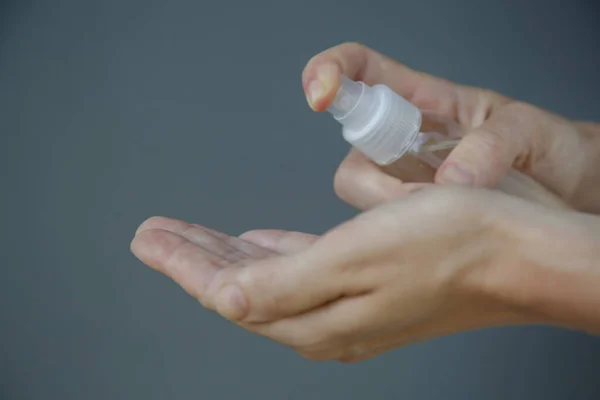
(486, 153)
(278, 287)
(232, 249)
(190, 266)
(322, 77)
(362, 184)
(282, 242)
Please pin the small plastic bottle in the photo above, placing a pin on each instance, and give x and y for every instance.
(408, 144)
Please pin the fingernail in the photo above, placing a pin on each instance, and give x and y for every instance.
(230, 303)
(316, 91)
(326, 77)
(456, 174)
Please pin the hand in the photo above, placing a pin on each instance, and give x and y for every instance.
(426, 265)
(562, 155)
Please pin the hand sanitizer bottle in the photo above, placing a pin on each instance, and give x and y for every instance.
(409, 144)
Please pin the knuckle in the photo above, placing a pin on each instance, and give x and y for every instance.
(264, 306)
(253, 280)
(504, 135)
(518, 119)
(491, 139)
(488, 146)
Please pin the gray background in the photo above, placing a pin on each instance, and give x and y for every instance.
(113, 111)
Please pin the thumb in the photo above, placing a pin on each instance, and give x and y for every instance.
(487, 152)
(275, 288)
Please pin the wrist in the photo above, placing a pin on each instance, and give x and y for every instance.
(546, 268)
(563, 264)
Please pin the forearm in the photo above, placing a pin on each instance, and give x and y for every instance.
(551, 272)
(565, 279)
(587, 196)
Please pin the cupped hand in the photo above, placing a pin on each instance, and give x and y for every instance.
(562, 155)
(412, 269)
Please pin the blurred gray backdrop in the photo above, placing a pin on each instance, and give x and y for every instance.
(113, 111)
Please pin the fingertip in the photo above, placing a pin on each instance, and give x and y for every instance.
(151, 246)
(322, 85)
(315, 94)
(158, 222)
(137, 243)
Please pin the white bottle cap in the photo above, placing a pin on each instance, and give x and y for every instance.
(376, 120)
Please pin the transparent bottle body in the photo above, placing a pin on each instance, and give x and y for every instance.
(436, 139)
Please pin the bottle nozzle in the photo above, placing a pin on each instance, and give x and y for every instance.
(347, 98)
(376, 120)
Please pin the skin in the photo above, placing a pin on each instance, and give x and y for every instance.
(423, 260)
(563, 155)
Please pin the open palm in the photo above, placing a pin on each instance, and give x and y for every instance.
(194, 256)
